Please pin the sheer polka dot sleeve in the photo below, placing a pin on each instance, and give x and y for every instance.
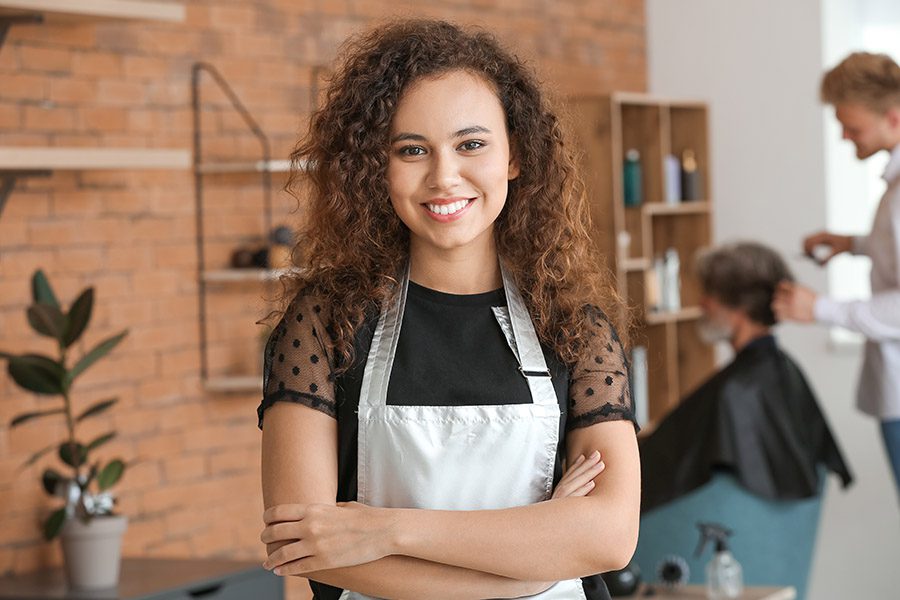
(599, 389)
(298, 359)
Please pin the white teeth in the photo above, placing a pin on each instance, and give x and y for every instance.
(447, 209)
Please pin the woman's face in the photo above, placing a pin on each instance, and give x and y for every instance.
(450, 162)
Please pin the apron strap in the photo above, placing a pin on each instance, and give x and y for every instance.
(380, 361)
(525, 344)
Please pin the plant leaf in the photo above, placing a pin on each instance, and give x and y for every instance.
(48, 320)
(78, 317)
(19, 419)
(54, 524)
(50, 479)
(37, 455)
(41, 292)
(110, 474)
(96, 409)
(98, 352)
(37, 373)
(73, 454)
(91, 474)
(101, 440)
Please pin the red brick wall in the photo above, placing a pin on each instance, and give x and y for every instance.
(194, 488)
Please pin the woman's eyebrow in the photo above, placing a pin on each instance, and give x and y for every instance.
(417, 137)
(470, 130)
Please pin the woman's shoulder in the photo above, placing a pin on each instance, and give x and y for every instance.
(603, 331)
(307, 308)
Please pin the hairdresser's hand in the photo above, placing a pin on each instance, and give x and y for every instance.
(325, 536)
(578, 479)
(834, 242)
(794, 302)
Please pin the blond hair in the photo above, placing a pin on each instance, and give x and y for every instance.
(872, 80)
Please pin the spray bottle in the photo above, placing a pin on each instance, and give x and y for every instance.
(724, 577)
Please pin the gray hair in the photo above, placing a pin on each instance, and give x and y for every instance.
(743, 275)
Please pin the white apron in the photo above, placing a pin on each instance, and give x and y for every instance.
(459, 457)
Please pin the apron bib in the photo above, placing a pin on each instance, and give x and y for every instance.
(459, 457)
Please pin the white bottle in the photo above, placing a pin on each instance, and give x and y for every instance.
(724, 576)
(672, 283)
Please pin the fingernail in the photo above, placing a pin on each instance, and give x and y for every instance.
(278, 571)
(580, 458)
(591, 483)
(595, 454)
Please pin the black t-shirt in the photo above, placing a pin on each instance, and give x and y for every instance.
(451, 352)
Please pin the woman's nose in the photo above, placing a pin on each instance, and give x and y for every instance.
(444, 172)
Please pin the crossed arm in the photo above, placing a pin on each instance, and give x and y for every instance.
(409, 553)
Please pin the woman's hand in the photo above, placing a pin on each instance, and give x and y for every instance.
(578, 480)
(325, 536)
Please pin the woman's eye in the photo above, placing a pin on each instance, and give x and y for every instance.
(411, 151)
(472, 145)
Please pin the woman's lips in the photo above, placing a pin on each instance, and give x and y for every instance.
(445, 211)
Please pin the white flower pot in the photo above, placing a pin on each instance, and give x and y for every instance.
(92, 551)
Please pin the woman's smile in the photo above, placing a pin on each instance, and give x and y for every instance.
(445, 210)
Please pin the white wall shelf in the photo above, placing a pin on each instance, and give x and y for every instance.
(242, 275)
(79, 159)
(17, 162)
(234, 384)
(96, 9)
(259, 166)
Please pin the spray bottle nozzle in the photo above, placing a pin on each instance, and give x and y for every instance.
(715, 533)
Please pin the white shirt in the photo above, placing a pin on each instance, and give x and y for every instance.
(878, 318)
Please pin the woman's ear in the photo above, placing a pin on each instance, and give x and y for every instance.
(513, 170)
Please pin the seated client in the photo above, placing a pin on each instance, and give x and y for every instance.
(757, 418)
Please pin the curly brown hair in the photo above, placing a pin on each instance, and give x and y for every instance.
(353, 244)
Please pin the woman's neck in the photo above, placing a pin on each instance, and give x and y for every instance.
(458, 271)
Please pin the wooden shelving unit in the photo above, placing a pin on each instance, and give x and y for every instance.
(632, 237)
(95, 9)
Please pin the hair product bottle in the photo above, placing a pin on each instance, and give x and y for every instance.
(631, 178)
(671, 286)
(724, 576)
(672, 169)
(690, 176)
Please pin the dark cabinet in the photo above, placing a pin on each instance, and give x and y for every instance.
(157, 579)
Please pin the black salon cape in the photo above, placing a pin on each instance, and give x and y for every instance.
(757, 418)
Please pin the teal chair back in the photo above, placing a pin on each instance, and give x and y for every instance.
(773, 540)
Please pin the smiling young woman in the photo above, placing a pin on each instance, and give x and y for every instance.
(447, 411)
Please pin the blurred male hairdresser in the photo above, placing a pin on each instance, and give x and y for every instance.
(756, 419)
(865, 91)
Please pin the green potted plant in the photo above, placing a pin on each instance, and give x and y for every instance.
(90, 532)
